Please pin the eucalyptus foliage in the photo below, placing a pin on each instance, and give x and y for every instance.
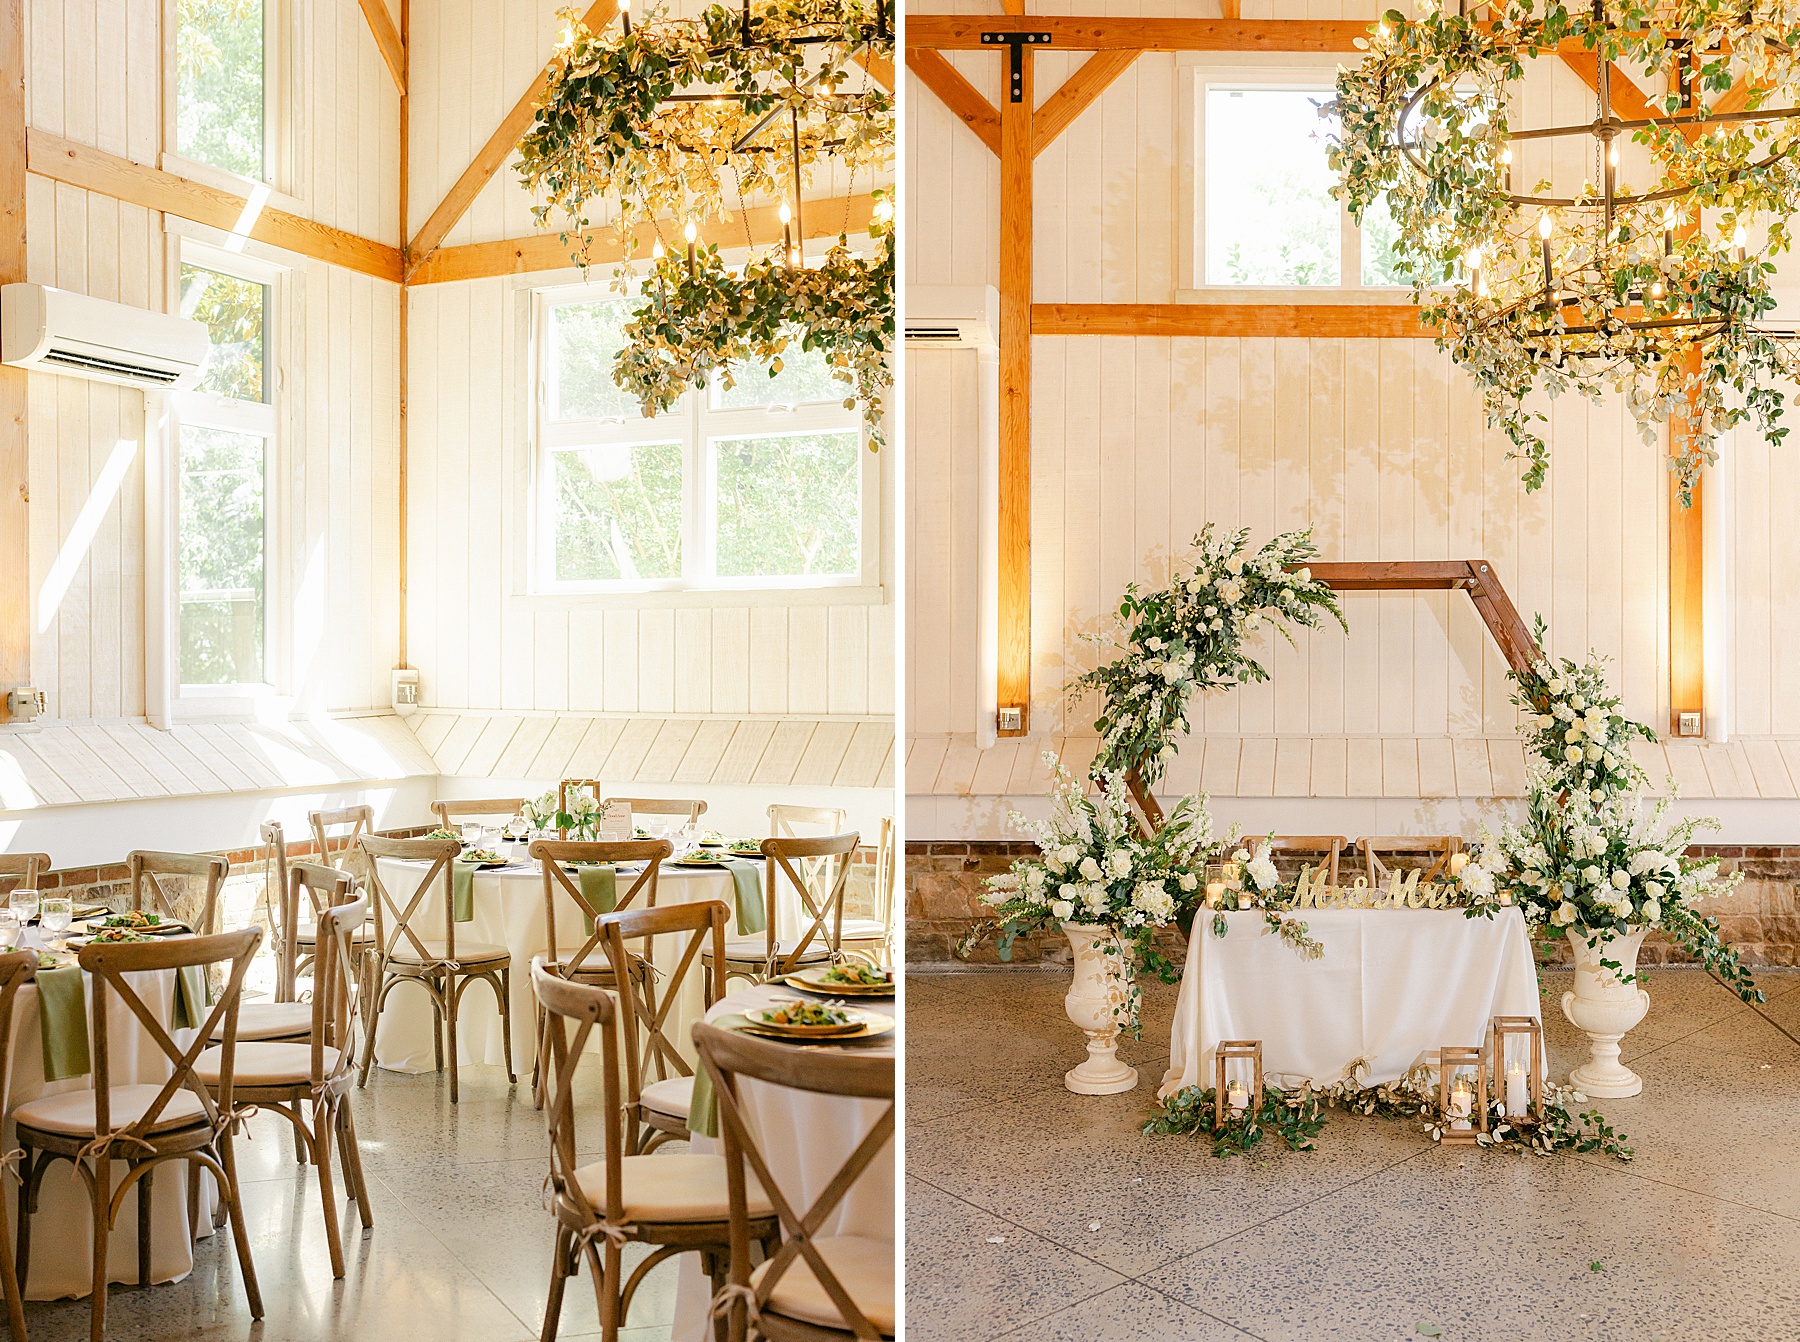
(1474, 256)
(1190, 636)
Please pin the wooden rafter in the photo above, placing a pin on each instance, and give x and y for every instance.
(15, 519)
(962, 32)
(492, 155)
(96, 170)
(1076, 95)
(880, 68)
(1343, 321)
(387, 38)
(547, 251)
(957, 94)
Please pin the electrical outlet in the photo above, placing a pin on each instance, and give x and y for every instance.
(1012, 719)
(1689, 725)
(25, 703)
(406, 689)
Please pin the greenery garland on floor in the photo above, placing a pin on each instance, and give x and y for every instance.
(1297, 1117)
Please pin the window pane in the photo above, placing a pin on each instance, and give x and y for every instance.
(219, 84)
(618, 512)
(584, 338)
(234, 312)
(1380, 258)
(789, 506)
(221, 557)
(804, 377)
(1270, 218)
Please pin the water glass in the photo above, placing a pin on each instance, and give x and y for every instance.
(471, 835)
(56, 913)
(9, 929)
(24, 902)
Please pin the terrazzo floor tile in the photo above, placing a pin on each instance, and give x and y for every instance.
(1133, 1311)
(971, 1275)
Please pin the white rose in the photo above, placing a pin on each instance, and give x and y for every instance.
(1573, 734)
(1094, 896)
(1591, 875)
(1652, 910)
(1119, 862)
(1598, 794)
(1303, 575)
(1620, 880)
(1189, 881)
(1154, 644)
(1654, 890)
(1218, 624)
(1090, 869)
(1555, 686)
(1573, 754)
(1062, 910)
(1034, 878)
(1564, 915)
(1593, 754)
(1577, 702)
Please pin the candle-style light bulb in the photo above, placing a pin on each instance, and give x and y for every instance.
(1669, 233)
(884, 209)
(656, 252)
(1737, 240)
(690, 233)
(1612, 156)
(1545, 224)
(625, 15)
(1544, 227)
(1506, 156)
(787, 236)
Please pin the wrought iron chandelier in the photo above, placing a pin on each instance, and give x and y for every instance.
(1541, 264)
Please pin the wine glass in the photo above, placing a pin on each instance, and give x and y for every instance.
(9, 929)
(55, 914)
(24, 903)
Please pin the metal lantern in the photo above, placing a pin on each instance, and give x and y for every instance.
(1240, 1050)
(1462, 1094)
(1515, 1045)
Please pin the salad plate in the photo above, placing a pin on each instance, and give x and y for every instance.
(849, 980)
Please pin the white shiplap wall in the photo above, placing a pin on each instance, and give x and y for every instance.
(93, 77)
(1378, 445)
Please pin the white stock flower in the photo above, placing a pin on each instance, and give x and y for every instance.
(1240, 855)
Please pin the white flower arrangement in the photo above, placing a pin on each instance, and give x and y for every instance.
(582, 818)
(1571, 721)
(1190, 636)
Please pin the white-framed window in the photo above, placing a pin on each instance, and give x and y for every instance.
(762, 484)
(1263, 216)
(226, 87)
(224, 446)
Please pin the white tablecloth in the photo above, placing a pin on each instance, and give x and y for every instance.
(62, 1235)
(805, 1138)
(508, 905)
(1393, 984)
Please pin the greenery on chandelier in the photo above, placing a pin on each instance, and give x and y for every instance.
(1543, 296)
(700, 320)
(1297, 1115)
(1190, 635)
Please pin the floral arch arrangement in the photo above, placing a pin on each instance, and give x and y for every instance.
(1536, 279)
(683, 119)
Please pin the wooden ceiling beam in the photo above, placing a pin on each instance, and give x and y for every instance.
(1076, 95)
(1333, 321)
(956, 93)
(493, 155)
(880, 68)
(387, 38)
(96, 170)
(962, 32)
(547, 251)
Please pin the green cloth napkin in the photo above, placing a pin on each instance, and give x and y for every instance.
(191, 998)
(462, 891)
(599, 890)
(751, 915)
(703, 1109)
(63, 1023)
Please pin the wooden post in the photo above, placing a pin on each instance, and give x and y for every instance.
(1687, 612)
(405, 358)
(15, 529)
(1015, 401)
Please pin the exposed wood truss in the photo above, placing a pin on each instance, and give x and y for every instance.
(1346, 321)
(1076, 95)
(387, 38)
(962, 32)
(957, 94)
(493, 154)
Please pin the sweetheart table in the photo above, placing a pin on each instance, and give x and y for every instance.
(1393, 984)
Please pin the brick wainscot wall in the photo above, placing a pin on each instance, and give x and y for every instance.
(944, 883)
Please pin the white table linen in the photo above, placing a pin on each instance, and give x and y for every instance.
(62, 1235)
(1394, 984)
(805, 1138)
(508, 904)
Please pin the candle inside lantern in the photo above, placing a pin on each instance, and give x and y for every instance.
(787, 236)
(1518, 1097)
(690, 233)
(1462, 1102)
(1457, 862)
(1215, 894)
(1237, 1098)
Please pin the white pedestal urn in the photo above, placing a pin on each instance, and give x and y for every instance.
(1605, 1009)
(1101, 986)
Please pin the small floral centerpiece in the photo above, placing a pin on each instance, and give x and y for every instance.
(581, 820)
(1572, 723)
(1190, 636)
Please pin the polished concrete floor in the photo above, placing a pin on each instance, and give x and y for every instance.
(1038, 1215)
(460, 1249)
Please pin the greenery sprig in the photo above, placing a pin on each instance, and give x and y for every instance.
(1572, 723)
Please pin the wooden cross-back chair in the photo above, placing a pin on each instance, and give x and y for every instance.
(145, 1125)
(17, 968)
(692, 808)
(675, 1203)
(813, 1287)
(150, 895)
(588, 963)
(1328, 846)
(275, 904)
(818, 881)
(657, 1109)
(20, 871)
(405, 951)
(320, 1070)
(1378, 867)
(783, 817)
(351, 823)
(285, 1019)
(478, 808)
(872, 939)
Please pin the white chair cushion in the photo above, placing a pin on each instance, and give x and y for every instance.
(671, 1188)
(271, 1020)
(673, 1096)
(864, 929)
(757, 948)
(264, 1065)
(467, 952)
(72, 1112)
(863, 1267)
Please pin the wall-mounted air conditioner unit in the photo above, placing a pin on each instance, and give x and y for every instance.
(54, 331)
(952, 316)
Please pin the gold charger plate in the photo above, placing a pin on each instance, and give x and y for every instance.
(800, 980)
(870, 1027)
(850, 1026)
(713, 862)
